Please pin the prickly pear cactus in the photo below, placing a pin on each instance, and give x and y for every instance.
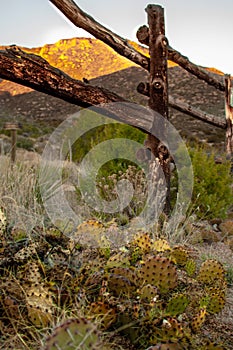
(212, 346)
(190, 267)
(166, 346)
(74, 334)
(216, 299)
(211, 271)
(103, 313)
(120, 285)
(159, 271)
(39, 305)
(143, 242)
(198, 320)
(177, 304)
(156, 295)
(161, 245)
(125, 272)
(170, 329)
(148, 293)
(118, 260)
(90, 233)
(179, 255)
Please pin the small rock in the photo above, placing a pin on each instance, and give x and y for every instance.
(210, 236)
(229, 242)
(227, 228)
(215, 221)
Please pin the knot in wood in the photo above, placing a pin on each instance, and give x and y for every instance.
(162, 41)
(158, 84)
(143, 88)
(162, 151)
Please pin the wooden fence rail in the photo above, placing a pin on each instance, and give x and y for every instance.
(186, 108)
(33, 71)
(82, 20)
(121, 46)
(229, 115)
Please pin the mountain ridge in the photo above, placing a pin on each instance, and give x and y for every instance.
(91, 59)
(82, 58)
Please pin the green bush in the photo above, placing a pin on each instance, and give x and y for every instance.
(103, 133)
(25, 143)
(212, 192)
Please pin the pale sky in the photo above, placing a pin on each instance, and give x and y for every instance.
(199, 29)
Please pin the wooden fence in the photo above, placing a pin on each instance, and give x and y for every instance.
(157, 88)
(158, 53)
(35, 72)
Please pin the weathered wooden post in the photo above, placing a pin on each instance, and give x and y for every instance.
(157, 88)
(229, 115)
(13, 127)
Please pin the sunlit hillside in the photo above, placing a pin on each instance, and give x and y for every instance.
(82, 58)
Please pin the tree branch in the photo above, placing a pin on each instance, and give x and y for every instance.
(192, 68)
(35, 72)
(81, 19)
(121, 46)
(182, 61)
(187, 109)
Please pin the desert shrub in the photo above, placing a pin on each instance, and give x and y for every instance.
(212, 188)
(212, 192)
(25, 143)
(136, 177)
(102, 133)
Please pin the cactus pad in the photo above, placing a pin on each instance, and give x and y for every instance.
(105, 314)
(171, 329)
(190, 267)
(179, 255)
(216, 300)
(166, 346)
(142, 241)
(212, 346)
(148, 292)
(161, 245)
(118, 260)
(74, 334)
(90, 233)
(125, 272)
(120, 285)
(39, 305)
(198, 320)
(211, 271)
(159, 271)
(177, 304)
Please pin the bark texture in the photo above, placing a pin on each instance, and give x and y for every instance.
(81, 19)
(35, 72)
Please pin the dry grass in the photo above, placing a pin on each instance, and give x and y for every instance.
(19, 194)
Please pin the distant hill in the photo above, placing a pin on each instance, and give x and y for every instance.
(102, 66)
